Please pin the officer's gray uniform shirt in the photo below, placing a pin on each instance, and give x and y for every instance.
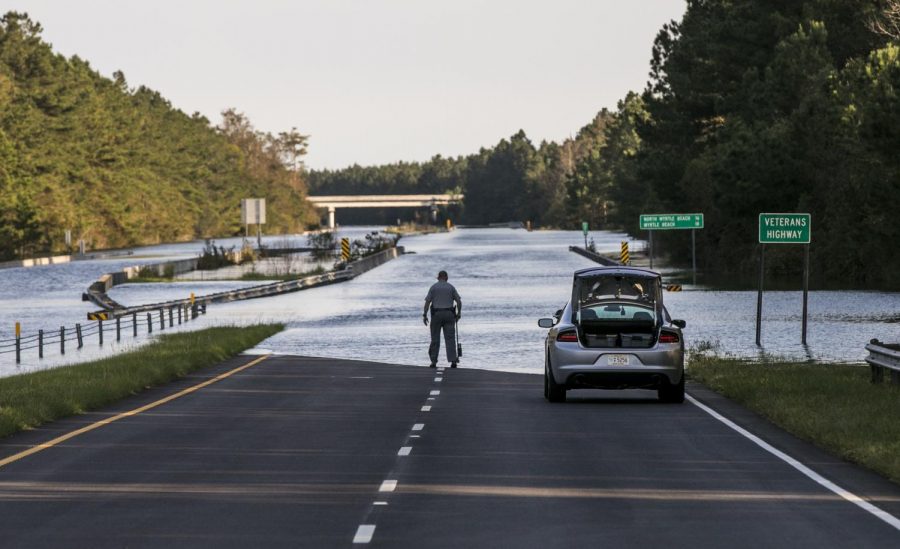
(441, 295)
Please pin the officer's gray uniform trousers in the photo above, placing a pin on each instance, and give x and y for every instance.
(443, 320)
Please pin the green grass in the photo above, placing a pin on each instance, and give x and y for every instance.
(831, 405)
(28, 400)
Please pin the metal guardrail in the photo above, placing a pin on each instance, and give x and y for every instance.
(135, 323)
(595, 257)
(884, 357)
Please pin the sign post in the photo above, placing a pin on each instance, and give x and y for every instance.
(253, 211)
(584, 229)
(784, 228)
(666, 222)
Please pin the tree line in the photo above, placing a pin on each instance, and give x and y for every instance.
(120, 166)
(754, 106)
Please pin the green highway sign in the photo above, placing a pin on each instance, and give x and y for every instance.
(584, 227)
(784, 228)
(657, 222)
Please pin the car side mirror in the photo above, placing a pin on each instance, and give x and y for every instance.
(546, 323)
(679, 323)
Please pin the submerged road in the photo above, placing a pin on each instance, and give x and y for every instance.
(308, 452)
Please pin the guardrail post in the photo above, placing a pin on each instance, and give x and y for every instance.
(62, 340)
(40, 343)
(100, 331)
(179, 314)
(203, 308)
(78, 335)
(18, 350)
(171, 323)
(162, 320)
(149, 323)
(134, 325)
(118, 328)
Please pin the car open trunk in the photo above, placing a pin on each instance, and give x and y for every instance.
(617, 308)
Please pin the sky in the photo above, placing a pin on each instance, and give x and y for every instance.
(373, 81)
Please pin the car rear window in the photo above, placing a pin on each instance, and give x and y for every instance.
(644, 291)
(618, 312)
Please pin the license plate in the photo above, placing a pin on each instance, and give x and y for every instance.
(617, 360)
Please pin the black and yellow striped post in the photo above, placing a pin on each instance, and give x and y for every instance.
(98, 315)
(673, 288)
(624, 258)
(345, 249)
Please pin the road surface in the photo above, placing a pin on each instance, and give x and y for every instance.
(307, 452)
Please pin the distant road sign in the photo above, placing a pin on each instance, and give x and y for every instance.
(584, 227)
(659, 222)
(784, 228)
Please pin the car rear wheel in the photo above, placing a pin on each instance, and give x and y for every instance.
(672, 393)
(552, 391)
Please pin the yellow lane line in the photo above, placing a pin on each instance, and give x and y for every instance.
(123, 415)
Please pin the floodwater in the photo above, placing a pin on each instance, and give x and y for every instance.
(508, 279)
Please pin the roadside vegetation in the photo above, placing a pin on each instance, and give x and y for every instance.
(118, 165)
(834, 406)
(28, 400)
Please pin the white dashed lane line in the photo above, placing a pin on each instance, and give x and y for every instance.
(364, 533)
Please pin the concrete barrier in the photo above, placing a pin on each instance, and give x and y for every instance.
(97, 291)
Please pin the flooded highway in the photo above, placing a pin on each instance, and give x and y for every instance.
(507, 279)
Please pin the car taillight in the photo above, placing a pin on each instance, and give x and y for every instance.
(668, 337)
(569, 337)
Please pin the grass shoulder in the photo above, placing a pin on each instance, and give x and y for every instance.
(834, 406)
(28, 400)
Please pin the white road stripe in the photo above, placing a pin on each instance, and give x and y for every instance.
(388, 486)
(418, 426)
(364, 533)
(426, 408)
(816, 477)
(437, 380)
(430, 398)
(435, 393)
(404, 451)
(414, 436)
(380, 503)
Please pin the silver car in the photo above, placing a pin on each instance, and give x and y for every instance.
(614, 333)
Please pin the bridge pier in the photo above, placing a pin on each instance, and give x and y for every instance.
(331, 210)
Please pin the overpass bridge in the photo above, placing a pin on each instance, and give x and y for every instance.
(332, 203)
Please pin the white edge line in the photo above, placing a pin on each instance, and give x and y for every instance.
(364, 533)
(816, 477)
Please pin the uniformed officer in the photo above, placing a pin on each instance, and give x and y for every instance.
(441, 299)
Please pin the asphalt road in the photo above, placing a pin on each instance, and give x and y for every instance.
(304, 452)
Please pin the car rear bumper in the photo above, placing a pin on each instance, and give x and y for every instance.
(590, 368)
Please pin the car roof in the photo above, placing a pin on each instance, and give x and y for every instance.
(616, 271)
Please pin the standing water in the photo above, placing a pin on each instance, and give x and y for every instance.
(507, 279)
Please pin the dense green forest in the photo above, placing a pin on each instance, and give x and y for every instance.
(120, 166)
(753, 106)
